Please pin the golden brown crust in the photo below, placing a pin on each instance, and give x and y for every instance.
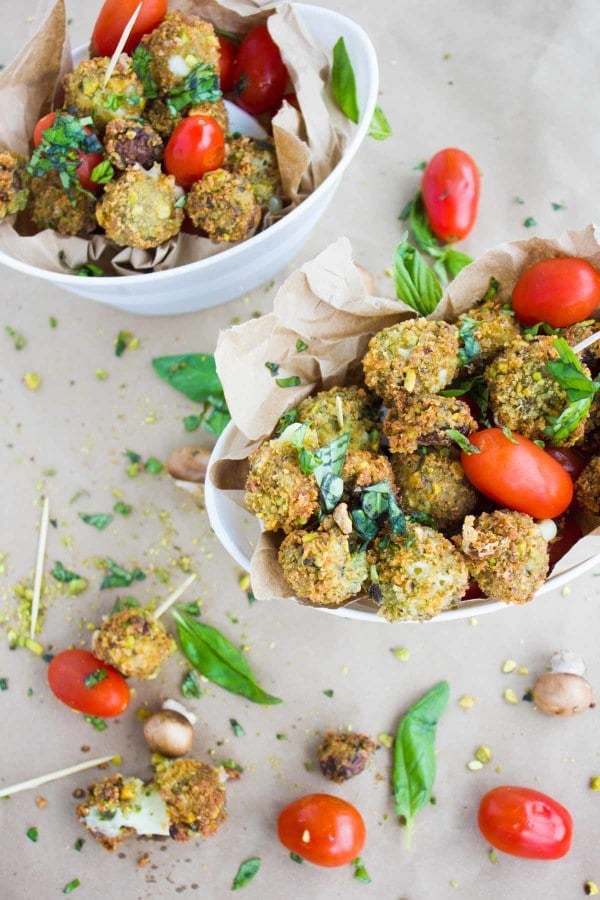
(587, 488)
(424, 419)
(276, 489)
(344, 754)
(195, 798)
(224, 206)
(134, 642)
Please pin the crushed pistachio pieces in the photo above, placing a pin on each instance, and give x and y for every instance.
(467, 701)
(474, 765)
(595, 782)
(510, 696)
(483, 754)
(590, 889)
(385, 739)
(493, 856)
(401, 653)
(32, 380)
(509, 666)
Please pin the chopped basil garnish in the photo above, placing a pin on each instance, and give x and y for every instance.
(246, 872)
(103, 172)
(360, 872)
(379, 128)
(95, 678)
(120, 577)
(492, 290)
(236, 728)
(141, 63)
(3, 684)
(61, 574)
(86, 270)
(343, 82)
(201, 85)
(122, 509)
(328, 692)
(471, 348)
(530, 222)
(59, 149)
(122, 342)
(301, 346)
(97, 520)
(97, 723)
(190, 686)
(125, 603)
(32, 834)
(70, 887)
(288, 418)
(568, 371)
(78, 844)
(295, 858)
(378, 507)
(292, 381)
(414, 767)
(273, 368)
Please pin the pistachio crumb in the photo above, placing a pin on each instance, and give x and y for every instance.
(590, 889)
(41, 802)
(386, 740)
(474, 765)
(467, 701)
(509, 666)
(522, 670)
(483, 754)
(595, 782)
(402, 653)
(493, 855)
(32, 380)
(510, 696)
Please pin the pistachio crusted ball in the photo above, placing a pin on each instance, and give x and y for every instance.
(139, 209)
(491, 326)
(506, 554)
(417, 420)
(432, 481)
(341, 410)
(416, 355)
(180, 42)
(134, 642)
(256, 161)
(524, 396)
(587, 488)
(277, 491)
(129, 143)
(224, 206)
(344, 754)
(362, 469)
(50, 206)
(415, 575)
(195, 797)
(110, 796)
(321, 566)
(14, 182)
(122, 97)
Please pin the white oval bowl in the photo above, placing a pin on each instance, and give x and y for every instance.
(218, 279)
(239, 530)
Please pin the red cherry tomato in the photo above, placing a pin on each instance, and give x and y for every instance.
(89, 161)
(558, 291)
(114, 16)
(322, 829)
(450, 189)
(107, 694)
(569, 532)
(572, 461)
(227, 54)
(259, 73)
(524, 822)
(517, 474)
(196, 146)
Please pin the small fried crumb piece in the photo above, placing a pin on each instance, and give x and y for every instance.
(143, 860)
(41, 802)
(344, 754)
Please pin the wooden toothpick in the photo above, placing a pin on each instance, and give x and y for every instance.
(53, 776)
(115, 57)
(39, 566)
(172, 598)
(586, 342)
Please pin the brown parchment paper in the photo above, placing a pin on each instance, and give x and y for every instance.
(308, 146)
(325, 304)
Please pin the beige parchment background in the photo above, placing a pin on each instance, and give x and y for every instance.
(516, 85)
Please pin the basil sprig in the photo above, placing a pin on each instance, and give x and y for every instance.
(378, 506)
(414, 768)
(201, 85)
(326, 465)
(448, 262)
(580, 389)
(59, 149)
(246, 872)
(195, 376)
(215, 657)
(416, 283)
(343, 82)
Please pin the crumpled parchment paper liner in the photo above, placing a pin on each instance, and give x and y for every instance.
(307, 151)
(325, 305)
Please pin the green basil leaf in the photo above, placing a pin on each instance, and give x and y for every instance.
(103, 172)
(86, 270)
(455, 262)
(414, 767)
(237, 729)
(416, 284)
(190, 686)
(360, 872)
(246, 872)
(97, 520)
(64, 575)
(379, 129)
(331, 487)
(215, 657)
(343, 82)
(301, 345)
(333, 455)
(364, 525)
(288, 418)
(419, 225)
(534, 330)
(201, 85)
(292, 381)
(141, 63)
(568, 371)
(120, 577)
(492, 290)
(463, 442)
(192, 374)
(562, 426)
(471, 348)
(216, 421)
